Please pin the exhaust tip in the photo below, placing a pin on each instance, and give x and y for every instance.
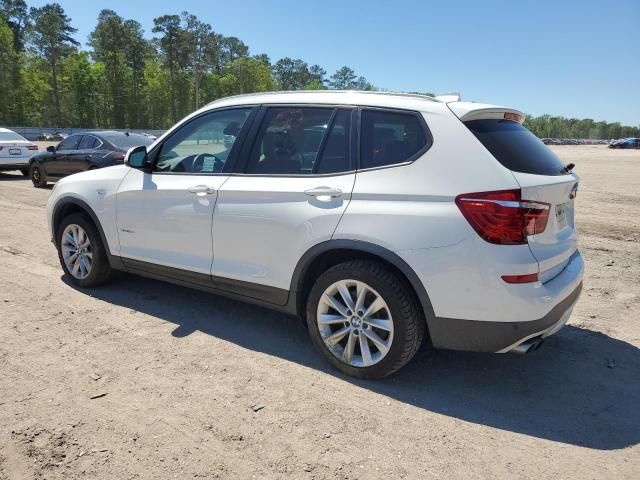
(527, 346)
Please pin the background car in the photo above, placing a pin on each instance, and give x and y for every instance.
(83, 151)
(15, 151)
(625, 143)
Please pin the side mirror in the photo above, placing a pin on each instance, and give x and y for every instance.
(51, 149)
(136, 157)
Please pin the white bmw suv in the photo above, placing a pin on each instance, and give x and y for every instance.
(380, 219)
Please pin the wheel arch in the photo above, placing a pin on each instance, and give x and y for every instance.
(327, 254)
(69, 205)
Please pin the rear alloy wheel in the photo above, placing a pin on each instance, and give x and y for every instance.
(364, 319)
(355, 323)
(81, 251)
(38, 177)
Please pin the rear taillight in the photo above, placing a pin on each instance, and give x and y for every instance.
(32, 147)
(502, 217)
(118, 156)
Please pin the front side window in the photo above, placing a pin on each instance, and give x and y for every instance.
(203, 145)
(390, 138)
(301, 140)
(69, 143)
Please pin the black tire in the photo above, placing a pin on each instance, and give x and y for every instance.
(101, 271)
(25, 172)
(38, 175)
(408, 319)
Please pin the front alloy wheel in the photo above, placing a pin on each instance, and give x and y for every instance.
(76, 251)
(355, 323)
(81, 252)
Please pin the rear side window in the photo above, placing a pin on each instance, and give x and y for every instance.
(389, 138)
(515, 147)
(87, 143)
(301, 141)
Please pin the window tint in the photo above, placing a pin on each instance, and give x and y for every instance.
(334, 157)
(88, 142)
(290, 141)
(202, 145)
(389, 138)
(515, 147)
(69, 143)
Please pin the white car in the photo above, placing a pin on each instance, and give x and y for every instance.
(15, 151)
(380, 219)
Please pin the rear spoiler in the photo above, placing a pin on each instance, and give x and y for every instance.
(467, 111)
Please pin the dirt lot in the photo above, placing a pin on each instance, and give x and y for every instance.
(197, 386)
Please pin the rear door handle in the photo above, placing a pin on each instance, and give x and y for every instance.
(324, 192)
(201, 190)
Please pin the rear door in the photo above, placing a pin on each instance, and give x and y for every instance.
(80, 159)
(288, 194)
(543, 178)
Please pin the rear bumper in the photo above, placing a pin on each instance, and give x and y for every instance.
(502, 336)
(499, 337)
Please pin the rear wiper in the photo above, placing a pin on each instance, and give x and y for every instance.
(568, 167)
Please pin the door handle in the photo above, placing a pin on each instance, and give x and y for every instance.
(201, 190)
(324, 192)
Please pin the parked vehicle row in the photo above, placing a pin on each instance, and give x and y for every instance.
(380, 219)
(573, 141)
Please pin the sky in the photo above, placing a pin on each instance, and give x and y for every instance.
(572, 58)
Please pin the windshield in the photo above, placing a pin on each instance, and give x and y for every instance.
(125, 141)
(11, 137)
(515, 147)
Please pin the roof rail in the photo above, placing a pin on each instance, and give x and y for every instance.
(449, 97)
(370, 92)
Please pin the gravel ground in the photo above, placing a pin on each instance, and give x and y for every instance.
(145, 380)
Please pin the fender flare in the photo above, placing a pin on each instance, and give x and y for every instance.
(388, 256)
(114, 261)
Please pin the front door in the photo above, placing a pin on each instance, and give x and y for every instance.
(165, 215)
(289, 194)
(58, 164)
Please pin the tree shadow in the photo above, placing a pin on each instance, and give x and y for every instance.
(581, 388)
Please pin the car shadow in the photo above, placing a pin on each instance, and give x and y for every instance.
(8, 177)
(581, 388)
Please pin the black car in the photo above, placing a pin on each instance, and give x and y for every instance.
(625, 143)
(83, 151)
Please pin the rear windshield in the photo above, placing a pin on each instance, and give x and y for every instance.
(11, 137)
(128, 141)
(515, 147)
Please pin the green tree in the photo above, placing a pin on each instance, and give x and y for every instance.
(344, 79)
(108, 43)
(291, 74)
(8, 57)
(16, 16)
(51, 38)
(170, 45)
